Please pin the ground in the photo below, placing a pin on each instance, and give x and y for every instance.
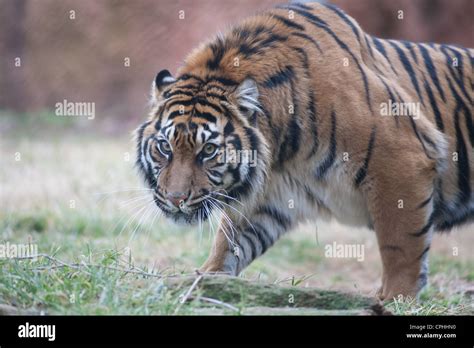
(73, 192)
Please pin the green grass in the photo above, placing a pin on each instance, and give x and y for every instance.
(433, 302)
(97, 287)
(92, 288)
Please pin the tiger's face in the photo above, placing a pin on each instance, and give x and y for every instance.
(199, 149)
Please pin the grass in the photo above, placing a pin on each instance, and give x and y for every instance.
(68, 194)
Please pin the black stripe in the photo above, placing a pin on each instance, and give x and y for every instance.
(287, 22)
(323, 25)
(178, 101)
(228, 129)
(213, 135)
(205, 102)
(304, 7)
(215, 173)
(467, 111)
(423, 280)
(222, 80)
(390, 96)
(466, 216)
(205, 115)
(428, 140)
(248, 235)
(409, 69)
(328, 161)
(149, 177)
(303, 12)
(186, 77)
(187, 86)
(304, 60)
(425, 228)
(430, 67)
(271, 39)
(247, 50)
(264, 237)
(179, 92)
(276, 215)
(459, 58)
(252, 138)
(291, 143)
(344, 17)
(227, 113)
(434, 106)
(308, 38)
(464, 185)
(279, 78)
(247, 184)
(418, 136)
(423, 253)
(174, 114)
(258, 46)
(217, 96)
(158, 123)
(469, 125)
(276, 131)
(139, 144)
(218, 49)
(387, 88)
(314, 126)
(211, 85)
(371, 51)
(425, 202)
(409, 46)
(380, 47)
(310, 195)
(213, 181)
(362, 172)
(458, 79)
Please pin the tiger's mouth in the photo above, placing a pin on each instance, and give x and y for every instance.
(199, 212)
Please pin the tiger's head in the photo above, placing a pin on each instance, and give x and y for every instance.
(201, 147)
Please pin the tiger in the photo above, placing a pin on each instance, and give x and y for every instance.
(296, 114)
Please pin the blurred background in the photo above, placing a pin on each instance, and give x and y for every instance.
(68, 183)
(109, 51)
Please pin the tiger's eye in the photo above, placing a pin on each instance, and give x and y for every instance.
(209, 149)
(165, 146)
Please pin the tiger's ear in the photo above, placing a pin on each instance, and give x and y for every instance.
(246, 97)
(162, 79)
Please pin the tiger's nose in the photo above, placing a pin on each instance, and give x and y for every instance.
(177, 198)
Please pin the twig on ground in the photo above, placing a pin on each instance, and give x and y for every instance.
(62, 264)
(185, 296)
(214, 301)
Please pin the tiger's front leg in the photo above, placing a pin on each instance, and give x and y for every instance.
(234, 249)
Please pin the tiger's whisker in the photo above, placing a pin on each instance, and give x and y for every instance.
(145, 214)
(133, 217)
(236, 210)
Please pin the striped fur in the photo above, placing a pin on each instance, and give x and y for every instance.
(303, 86)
